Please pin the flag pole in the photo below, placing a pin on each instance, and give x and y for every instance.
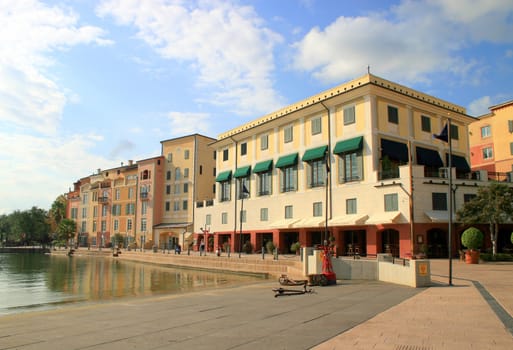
(449, 137)
(241, 212)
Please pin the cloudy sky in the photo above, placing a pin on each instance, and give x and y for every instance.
(87, 84)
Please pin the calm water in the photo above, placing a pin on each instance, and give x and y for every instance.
(36, 281)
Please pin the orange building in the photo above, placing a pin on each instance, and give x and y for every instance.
(491, 142)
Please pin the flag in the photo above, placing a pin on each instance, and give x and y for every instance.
(244, 189)
(443, 135)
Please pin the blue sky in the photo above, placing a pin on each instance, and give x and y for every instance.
(88, 84)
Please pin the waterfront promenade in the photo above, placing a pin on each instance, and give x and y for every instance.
(474, 313)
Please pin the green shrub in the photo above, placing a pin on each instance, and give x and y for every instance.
(294, 247)
(269, 246)
(472, 238)
(247, 247)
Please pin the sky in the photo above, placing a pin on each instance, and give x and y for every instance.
(88, 84)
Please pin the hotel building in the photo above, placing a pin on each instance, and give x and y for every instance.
(357, 165)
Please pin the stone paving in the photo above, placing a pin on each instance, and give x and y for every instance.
(474, 313)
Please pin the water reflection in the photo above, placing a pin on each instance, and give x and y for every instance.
(33, 281)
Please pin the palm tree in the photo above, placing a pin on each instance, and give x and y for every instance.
(57, 212)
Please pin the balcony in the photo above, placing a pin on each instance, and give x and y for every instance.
(145, 196)
(103, 200)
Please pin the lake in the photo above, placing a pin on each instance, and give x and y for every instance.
(35, 281)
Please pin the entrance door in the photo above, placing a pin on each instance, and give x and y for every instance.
(437, 244)
(288, 239)
(390, 242)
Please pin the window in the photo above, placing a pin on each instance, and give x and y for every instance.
(85, 198)
(264, 214)
(224, 218)
(116, 209)
(393, 115)
(116, 225)
(487, 153)
(185, 204)
(145, 175)
(485, 131)
(454, 132)
(467, 197)
(350, 167)
(104, 210)
(94, 226)
(176, 206)
(95, 212)
(177, 189)
(316, 126)
(391, 202)
(317, 209)
(201, 169)
(510, 126)
(288, 179)
(264, 142)
(129, 224)
(168, 189)
(143, 225)
(117, 194)
(351, 206)
(208, 219)
(243, 149)
(168, 175)
(130, 209)
(170, 157)
(511, 148)
(288, 134)
(264, 183)
(178, 175)
(84, 227)
(425, 122)
(439, 200)
(104, 226)
(317, 173)
(288, 212)
(225, 191)
(168, 205)
(186, 172)
(144, 208)
(185, 188)
(74, 213)
(186, 154)
(130, 193)
(349, 115)
(225, 155)
(243, 184)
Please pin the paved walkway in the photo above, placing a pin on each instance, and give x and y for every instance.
(474, 313)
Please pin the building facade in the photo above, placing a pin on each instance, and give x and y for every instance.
(491, 142)
(356, 165)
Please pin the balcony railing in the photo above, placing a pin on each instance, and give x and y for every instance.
(103, 199)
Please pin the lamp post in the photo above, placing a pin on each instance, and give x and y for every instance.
(243, 192)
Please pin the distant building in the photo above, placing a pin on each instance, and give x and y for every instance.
(491, 142)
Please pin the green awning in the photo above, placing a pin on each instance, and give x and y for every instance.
(429, 157)
(224, 176)
(458, 162)
(314, 153)
(286, 161)
(397, 151)
(242, 171)
(351, 145)
(263, 167)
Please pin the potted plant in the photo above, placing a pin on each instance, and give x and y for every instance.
(423, 250)
(295, 248)
(472, 238)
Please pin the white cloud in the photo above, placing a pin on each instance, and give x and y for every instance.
(480, 106)
(414, 39)
(41, 168)
(29, 32)
(188, 123)
(228, 45)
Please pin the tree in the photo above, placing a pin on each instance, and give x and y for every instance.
(493, 205)
(57, 212)
(66, 229)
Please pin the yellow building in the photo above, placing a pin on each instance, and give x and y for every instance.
(491, 142)
(372, 200)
